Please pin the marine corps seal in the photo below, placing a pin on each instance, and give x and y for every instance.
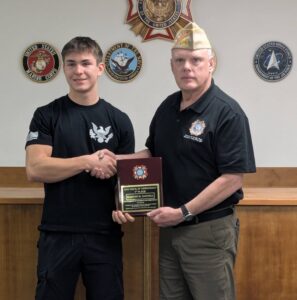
(41, 62)
(273, 61)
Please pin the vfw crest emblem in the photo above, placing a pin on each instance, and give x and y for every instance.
(153, 19)
(197, 128)
(100, 134)
(140, 172)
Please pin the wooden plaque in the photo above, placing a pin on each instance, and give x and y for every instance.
(139, 188)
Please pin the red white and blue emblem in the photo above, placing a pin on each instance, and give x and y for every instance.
(41, 62)
(197, 128)
(158, 18)
(140, 172)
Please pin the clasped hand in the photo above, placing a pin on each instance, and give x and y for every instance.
(103, 164)
(163, 216)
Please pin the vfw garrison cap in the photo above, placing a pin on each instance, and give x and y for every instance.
(191, 37)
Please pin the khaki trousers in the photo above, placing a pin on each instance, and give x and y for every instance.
(196, 261)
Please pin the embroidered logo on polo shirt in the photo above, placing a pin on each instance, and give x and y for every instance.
(100, 134)
(196, 129)
(32, 135)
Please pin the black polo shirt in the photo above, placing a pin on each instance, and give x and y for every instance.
(199, 144)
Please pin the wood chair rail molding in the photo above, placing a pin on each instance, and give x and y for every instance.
(15, 177)
(272, 177)
(264, 177)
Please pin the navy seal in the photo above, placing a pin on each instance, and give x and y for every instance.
(123, 62)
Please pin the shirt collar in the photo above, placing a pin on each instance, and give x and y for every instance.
(200, 104)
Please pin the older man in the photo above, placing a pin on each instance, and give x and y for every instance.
(203, 137)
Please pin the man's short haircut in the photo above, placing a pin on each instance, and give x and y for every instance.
(83, 44)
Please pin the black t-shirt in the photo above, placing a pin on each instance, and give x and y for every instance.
(81, 203)
(199, 144)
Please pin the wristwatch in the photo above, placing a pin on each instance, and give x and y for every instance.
(186, 214)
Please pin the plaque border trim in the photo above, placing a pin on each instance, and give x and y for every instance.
(139, 185)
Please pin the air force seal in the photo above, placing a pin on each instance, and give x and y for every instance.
(273, 61)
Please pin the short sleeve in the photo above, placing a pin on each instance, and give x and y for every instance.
(39, 129)
(234, 149)
(150, 139)
(127, 138)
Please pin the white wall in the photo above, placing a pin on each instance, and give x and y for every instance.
(235, 28)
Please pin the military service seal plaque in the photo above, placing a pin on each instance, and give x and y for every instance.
(158, 18)
(123, 62)
(273, 61)
(41, 62)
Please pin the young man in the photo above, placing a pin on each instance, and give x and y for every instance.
(204, 140)
(78, 235)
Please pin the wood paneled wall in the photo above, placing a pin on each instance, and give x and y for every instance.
(266, 266)
(19, 234)
(18, 255)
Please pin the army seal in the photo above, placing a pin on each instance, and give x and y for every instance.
(41, 62)
(273, 61)
(123, 62)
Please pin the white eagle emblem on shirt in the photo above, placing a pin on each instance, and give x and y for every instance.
(100, 134)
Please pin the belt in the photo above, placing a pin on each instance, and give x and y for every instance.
(207, 216)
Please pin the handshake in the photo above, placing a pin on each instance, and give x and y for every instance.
(102, 164)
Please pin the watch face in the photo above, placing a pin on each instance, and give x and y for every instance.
(189, 217)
